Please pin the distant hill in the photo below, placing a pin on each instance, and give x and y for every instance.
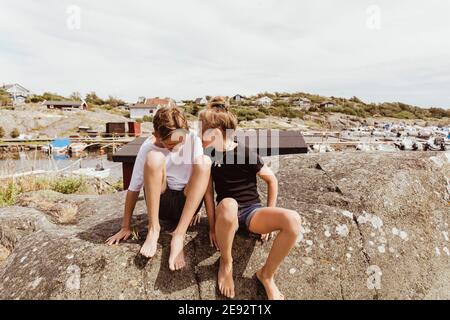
(356, 107)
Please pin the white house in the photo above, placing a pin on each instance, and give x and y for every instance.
(149, 107)
(264, 101)
(237, 98)
(17, 93)
(180, 103)
(327, 104)
(302, 102)
(66, 105)
(201, 101)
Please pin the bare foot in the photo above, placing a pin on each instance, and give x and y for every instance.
(225, 279)
(176, 258)
(150, 245)
(271, 288)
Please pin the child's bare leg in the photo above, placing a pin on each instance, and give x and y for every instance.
(267, 220)
(226, 227)
(194, 192)
(154, 184)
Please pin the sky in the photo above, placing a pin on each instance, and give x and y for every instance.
(377, 50)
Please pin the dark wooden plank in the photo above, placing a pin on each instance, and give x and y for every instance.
(288, 142)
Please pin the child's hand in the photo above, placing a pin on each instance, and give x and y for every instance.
(212, 240)
(123, 234)
(266, 237)
(195, 219)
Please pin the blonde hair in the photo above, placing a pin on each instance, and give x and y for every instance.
(167, 120)
(217, 116)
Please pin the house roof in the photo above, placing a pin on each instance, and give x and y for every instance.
(63, 103)
(264, 98)
(154, 102)
(198, 100)
(143, 106)
(9, 86)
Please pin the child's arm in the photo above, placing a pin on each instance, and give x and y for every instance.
(125, 231)
(272, 185)
(210, 212)
(272, 192)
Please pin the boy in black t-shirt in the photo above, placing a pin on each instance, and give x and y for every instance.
(233, 176)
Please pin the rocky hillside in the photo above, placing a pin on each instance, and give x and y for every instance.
(376, 226)
(36, 120)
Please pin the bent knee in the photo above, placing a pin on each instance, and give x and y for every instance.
(155, 160)
(292, 222)
(229, 204)
(228, 218)
(227, 211)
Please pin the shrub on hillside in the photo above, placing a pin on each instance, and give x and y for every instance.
(245, 114)
(2, 132)
(68, 185)
(5, 99)
(15, 133)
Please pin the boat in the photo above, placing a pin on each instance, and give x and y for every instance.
(98, 172)
(77, 147)
(59, 146)
(93, 172)
(408, 144)
(322, 148)
(364, 147)
(435, 144)
(385, 147)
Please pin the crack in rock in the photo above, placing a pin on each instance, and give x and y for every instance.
(355, 220)
(195, 269)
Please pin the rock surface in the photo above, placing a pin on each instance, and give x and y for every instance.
(375, 226)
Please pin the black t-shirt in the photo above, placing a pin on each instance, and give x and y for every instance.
(234, 174)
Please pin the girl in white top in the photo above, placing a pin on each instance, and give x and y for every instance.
(178, 163)
(172, 169)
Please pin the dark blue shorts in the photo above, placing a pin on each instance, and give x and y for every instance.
(246, 213)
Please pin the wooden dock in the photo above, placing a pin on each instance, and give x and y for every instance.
(39, 143)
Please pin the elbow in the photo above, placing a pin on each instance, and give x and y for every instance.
(272, 181)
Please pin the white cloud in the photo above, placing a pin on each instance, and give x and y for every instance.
(191, 48)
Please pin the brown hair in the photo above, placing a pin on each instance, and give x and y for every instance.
(217, 116)
(218, 103)
(167, 120)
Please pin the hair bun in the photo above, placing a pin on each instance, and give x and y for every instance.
(218, 103)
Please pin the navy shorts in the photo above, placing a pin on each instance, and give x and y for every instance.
(246, 213)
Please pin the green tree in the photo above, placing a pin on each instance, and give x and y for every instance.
(15, 133)
(93, 98)
(75, 96)
(114, 102)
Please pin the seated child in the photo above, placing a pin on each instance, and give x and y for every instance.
(174, 173)
(234, 177)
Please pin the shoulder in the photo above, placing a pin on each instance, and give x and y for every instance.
(147, 145)
(193, 136)
(145, 148)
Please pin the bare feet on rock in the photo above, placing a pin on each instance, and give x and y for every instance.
(176, 258)
(151, 243)
(225, 279)
(272, 291)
